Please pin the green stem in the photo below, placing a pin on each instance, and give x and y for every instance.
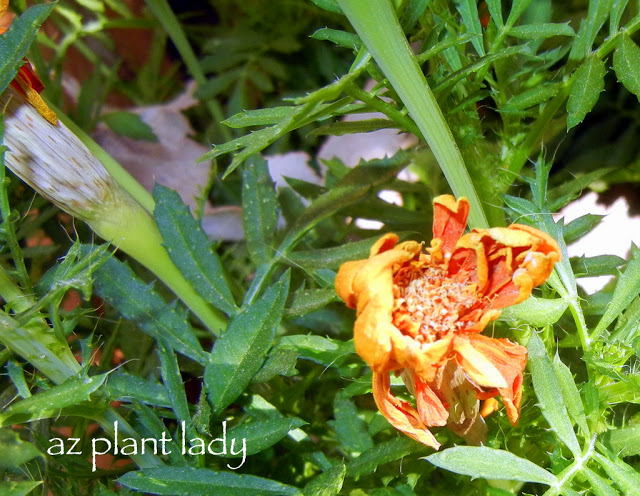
(162, 10)
(377, 25)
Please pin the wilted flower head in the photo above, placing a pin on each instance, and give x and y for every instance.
(421, 314)
(53, 161)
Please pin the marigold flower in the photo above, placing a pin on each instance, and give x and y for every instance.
(421, 314)
(27, 81)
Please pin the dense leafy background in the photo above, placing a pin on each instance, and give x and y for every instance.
(542, 99)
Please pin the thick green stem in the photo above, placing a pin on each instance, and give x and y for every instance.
(377, 25)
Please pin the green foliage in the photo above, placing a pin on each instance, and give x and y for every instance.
(518, 105)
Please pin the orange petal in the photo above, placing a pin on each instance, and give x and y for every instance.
(510, 359)
(478, 367)
(430, 408)
(400, 414)
(449, 220)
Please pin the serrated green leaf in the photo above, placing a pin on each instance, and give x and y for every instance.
(495, 11)
(599, 485)
(308, 300)
(280, 361)
(328, 483)
(541, 31)
(382, 453)
(597, 14)
(625, 477)
(350, 428)
(129, 125)
(49, 403)
(489, 463)
(124, 387)
(471, 20)
(21, 488)
(533, 96)
(352, 127)
(597, 266)
(259, 117)
(536, 311)
(190, 250)
(259, 210)
(627, 327)
(571, 395)
(17, 40)
(259, 435)
(13, 451)
(545, 384)
(627, 288)
(587, 84)
(334, 257)
(136, 301)
(241, 350)
(625, 441)
(579, 227)
(626, 60)
(170, 481)
(321, 350)
(340, 38)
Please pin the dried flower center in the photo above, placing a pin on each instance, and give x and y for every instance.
(434, 303)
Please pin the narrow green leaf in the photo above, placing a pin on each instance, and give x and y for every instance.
(517, 9)
(627, 288)
(123, 386)
(352, 127)
(625, 477)
(340, 38)
(321, 350)
(48, 403)
(538, 94)
(21, 488)
(172, 380)
(471, 20)
(259, 117)
(129, 125)
(495, 11)
(541, 31)
(259, 435)
(190, 250)
(625, 62)
(350, 428)
(627, 327)
(488, 463)
(571, 395)
(329, 5)
(13, 451)
(334, 257)
(259, 210)
(169, 481)
(136, 301)
(597, 14)
(586, 86)
(625, 441)
(328, 483)
(545, 384)
(597, 266)
(16, 374)
(241, 350)
(599, 485)
(382, 453)
(308, 300)
(616, 14)
(536, 311)
(579, 227)
(17, 40)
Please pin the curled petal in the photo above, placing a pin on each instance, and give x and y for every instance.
(477, 363)
(510, 359)
(449, 220)
(400, 414)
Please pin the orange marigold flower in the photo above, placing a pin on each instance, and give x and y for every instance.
(27, 81)
(421, 314)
